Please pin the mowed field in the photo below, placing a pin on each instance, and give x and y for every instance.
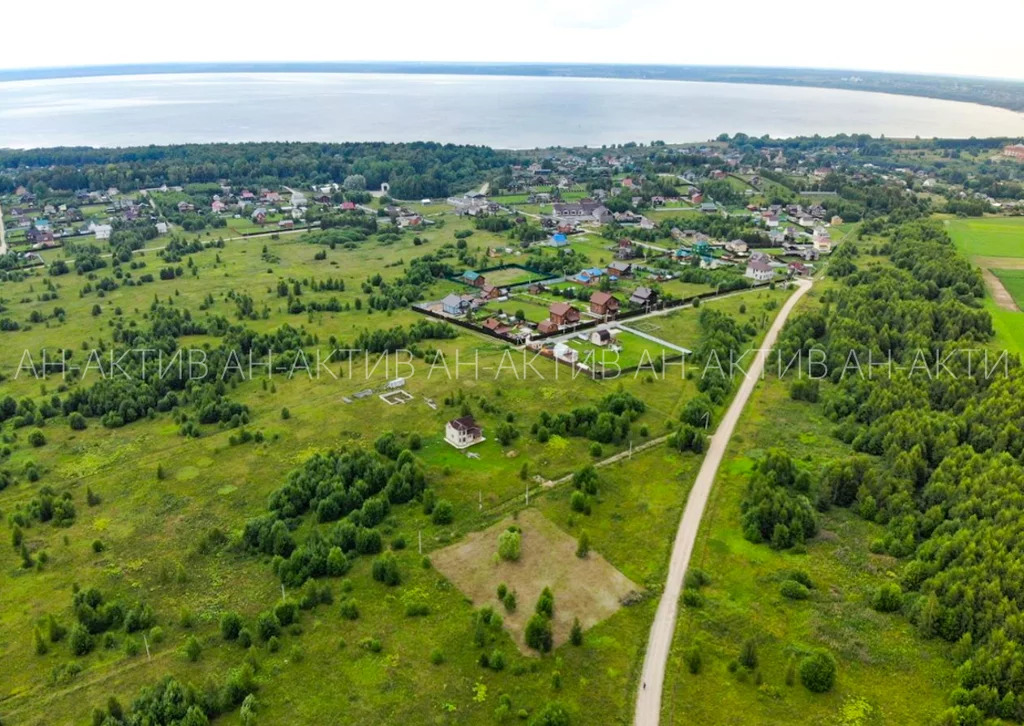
(989, 236)
(997, 246)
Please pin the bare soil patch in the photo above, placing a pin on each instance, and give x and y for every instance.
(1000, 294)
(590, 589)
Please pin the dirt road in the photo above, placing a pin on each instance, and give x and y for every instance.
(652, 677)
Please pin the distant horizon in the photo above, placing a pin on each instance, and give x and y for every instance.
(202, 66)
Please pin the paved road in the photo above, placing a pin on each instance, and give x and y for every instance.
(648, 702)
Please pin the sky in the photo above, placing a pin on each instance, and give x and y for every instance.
(883, 35)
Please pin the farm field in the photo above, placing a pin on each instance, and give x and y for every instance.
(988, 236)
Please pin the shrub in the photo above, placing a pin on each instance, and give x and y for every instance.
(192, 649)
(888, 598)
(692, 598)
(579, 502)
(693, 659)
(748, 654)
(80, 641)
(245, 638)
(553, 714)
(509, 601)
(286, 612)
(818, 672)
(576, 634)
(385, 569)
(76, 421)
(538, 633)
(350, 609)
(443, 512)
(583, 547)
(436, 656)
(510, 545)
(267, 626)
(697, 578)
(546, 603)
(502, 591)
(230, 625)
(371, 644)
(36, 438)
(794, 590)
(156, 634)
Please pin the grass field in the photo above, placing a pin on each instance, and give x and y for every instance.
(149, 524)
(989, 236)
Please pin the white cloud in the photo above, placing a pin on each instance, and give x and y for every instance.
(869, 34)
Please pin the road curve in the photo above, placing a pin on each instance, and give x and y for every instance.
(652, 677)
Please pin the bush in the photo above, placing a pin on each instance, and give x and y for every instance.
(443, 512)
(794, 590)
(385, 569)
(546, 603)
(156, 634)
(230, 625)
(510, 545)
(267, 626)
(818, 672)
(76, 421)
(888, 598)
(80, 641)
(538, 633)
(576, 634)
(583, 546)
(245, 638)
(692, 597)
(192, 649)
(436, 656)
(693, 659)
(748, 654)
(579, 502)
(697, 578)
(36, 438)
(509, 601)
(553, 714)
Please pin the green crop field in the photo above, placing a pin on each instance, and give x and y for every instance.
(988, 236)
(1013, 281)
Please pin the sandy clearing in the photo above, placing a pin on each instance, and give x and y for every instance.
(1000, 294)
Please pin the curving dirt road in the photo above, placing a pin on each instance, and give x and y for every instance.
(652, 677)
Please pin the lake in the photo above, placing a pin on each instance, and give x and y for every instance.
(499, 111)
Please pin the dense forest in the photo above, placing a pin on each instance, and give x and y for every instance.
(938, 457)
(413, 170)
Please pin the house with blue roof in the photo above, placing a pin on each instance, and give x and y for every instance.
(559, 240)
(473, 278)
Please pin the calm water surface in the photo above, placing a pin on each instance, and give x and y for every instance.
(500, 111)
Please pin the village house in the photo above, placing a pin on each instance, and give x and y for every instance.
(546, 327)
(259, 215)
(217, 206)
(620, 269)
(759, 270)
(604, 303)
(102, 231)
(473, 278)
(286, 224)
(495, 326)
(490, 292)
(643, 296)
(562, 313)
(453, 304)
(463, 432)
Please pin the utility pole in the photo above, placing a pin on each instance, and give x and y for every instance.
(421, 541)
(146, 641)
(480, 500)
(282, 591)
(527, 495)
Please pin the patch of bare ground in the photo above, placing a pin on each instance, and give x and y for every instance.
(589, 588)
